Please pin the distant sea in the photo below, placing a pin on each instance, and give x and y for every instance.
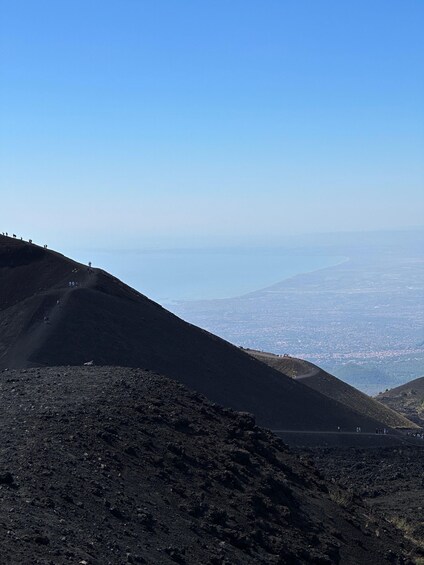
(179, 275)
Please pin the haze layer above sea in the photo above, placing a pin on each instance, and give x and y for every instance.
(172, 275)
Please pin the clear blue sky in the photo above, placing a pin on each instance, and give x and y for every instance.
(135, 121)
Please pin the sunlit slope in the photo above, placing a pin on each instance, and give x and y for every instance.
(407, 399)
(55, 311)
(332, 387)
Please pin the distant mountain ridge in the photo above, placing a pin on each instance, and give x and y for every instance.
(55, 311)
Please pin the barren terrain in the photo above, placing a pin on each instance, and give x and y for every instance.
(390, 481)
(109, 466)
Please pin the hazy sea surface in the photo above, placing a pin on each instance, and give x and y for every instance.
(201, 274)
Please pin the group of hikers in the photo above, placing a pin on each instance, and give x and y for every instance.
(418, 435)
(7, 234)
(383, 431)
(71, 284)
(21, 238)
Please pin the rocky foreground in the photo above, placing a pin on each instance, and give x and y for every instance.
(390, 481)
(108, 466)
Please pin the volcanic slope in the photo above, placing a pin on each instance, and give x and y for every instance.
(329, 385)
(408, 399)
(117, 465)
(46, 322)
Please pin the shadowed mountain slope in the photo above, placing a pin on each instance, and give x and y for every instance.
(46, 322)
(329, 385)
(107, 465)
(407, 399)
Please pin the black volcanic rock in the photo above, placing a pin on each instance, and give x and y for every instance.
(390, 481)
(119, 465)
(54, 311)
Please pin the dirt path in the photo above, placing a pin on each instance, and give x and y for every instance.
(53, 303)
(278, 362)
(357, 439)
(311, 373)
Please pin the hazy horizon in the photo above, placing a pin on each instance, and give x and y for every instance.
(186, 122)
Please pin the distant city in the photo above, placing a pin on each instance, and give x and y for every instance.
(363, 319)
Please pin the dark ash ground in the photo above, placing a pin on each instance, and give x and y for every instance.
(109, 466)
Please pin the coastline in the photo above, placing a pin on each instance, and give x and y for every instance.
(269, 288)
(337, 260)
